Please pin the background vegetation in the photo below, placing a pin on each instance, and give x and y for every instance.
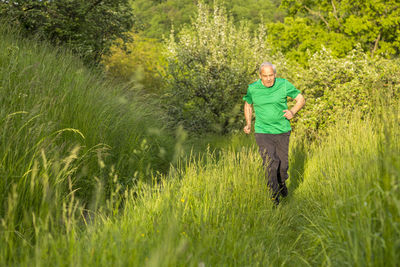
(372, 24)
(156, 18)
(89, 28)
(209, 63)
(143, 162)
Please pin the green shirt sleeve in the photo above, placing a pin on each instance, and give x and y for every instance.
(291, 91)
(248, 97)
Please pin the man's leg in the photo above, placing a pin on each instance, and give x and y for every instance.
(266, 144)
(282, 152)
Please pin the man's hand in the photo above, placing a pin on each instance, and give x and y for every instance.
(300, 101)
(288, 114)
(247, 129)
(248, 111)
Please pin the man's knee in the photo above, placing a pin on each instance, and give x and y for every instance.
(273, 165)
(284, 166)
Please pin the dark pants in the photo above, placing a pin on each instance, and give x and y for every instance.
(274, 150)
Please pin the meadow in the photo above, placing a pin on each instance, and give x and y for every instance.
(90, 176)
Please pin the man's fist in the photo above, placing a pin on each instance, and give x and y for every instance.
(288, 114)
(247, 129)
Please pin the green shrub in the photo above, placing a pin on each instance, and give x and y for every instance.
(336, 86)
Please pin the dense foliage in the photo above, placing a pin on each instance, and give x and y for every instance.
(340, 26)
(89, 28)
(299, 38)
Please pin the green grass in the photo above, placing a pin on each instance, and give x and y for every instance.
(344, 210)
(65, 133)
(74, 137)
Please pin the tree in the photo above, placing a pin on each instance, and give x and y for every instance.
(375, 24)
(88, 27)
(156, 17)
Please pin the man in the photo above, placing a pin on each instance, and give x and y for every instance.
(269, 95)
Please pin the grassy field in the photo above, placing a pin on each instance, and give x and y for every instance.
(343, 209)
(85, 181)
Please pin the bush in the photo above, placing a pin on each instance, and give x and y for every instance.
(336, 86)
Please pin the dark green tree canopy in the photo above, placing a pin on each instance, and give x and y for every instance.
(89, 27)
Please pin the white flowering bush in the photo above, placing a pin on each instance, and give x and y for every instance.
(210, 65)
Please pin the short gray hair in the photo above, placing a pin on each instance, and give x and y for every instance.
(268, 64)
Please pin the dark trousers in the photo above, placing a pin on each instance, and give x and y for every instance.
(274, 150)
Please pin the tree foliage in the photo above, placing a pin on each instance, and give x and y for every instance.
(299, 38)
(89, 27)
(209, 69)
(375, 24)
(157, 17)
(140, 61)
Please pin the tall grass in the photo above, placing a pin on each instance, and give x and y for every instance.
(351, 186)
(343, 210)
(65, 134)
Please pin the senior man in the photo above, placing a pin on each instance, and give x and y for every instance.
(268, 96)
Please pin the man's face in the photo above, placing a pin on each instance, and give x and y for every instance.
(267, 76)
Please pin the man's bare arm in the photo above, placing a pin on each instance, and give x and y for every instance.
(248, 112)
(300, 101)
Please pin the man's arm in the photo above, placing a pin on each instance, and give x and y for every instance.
(248, 112)
(300, 101)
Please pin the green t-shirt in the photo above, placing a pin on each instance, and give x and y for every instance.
(269, 103)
